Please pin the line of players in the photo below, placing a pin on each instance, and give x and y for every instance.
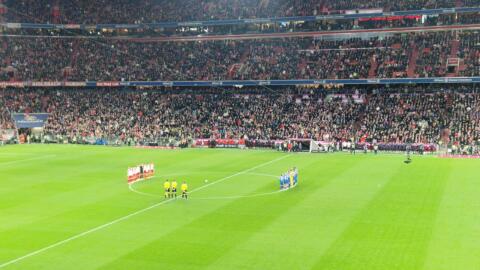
(171, 189)
(289, 179)
(143, 171)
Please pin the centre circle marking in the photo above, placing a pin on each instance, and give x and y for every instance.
(131, 187)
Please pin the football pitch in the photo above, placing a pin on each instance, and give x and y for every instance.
(70, 207)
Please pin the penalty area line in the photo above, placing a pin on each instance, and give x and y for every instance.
(138, 212)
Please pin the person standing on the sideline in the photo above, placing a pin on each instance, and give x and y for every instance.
(174, 188)
(166, 186)
(184, 190)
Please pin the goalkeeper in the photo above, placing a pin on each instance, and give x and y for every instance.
(291, 176)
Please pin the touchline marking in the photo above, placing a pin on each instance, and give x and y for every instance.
(129, 216)
(25, 160)
(16, 154)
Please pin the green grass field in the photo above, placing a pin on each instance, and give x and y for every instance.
(69, 207)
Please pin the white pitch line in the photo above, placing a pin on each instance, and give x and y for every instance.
(242, 196)
(15, 154)
(142, 193)
(24, 160)
(127, 216)
(130, 186)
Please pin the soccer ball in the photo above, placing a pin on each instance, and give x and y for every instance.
(206, 181)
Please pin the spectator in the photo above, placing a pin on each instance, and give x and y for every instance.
(133, 116)
(54, 59)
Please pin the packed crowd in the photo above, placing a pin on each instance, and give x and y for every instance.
(469, 52)
(415, 55)
(128, 11)
(134, 116)
(5, 118)
(387, 22)
(377, 23)
(433, 53)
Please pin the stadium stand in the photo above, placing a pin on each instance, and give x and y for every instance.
(417, 114)
(294, 24)
(422, 54)
(120, 11)
(400, 76)
(382, 114)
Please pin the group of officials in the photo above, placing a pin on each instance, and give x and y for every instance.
(171, 189)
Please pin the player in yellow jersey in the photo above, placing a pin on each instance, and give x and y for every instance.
(166, 186)
(174, 188)
(290, 174)
(184, 190)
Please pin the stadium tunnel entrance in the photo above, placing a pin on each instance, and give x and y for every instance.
(30, 126)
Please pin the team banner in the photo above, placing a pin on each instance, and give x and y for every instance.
(30, 120)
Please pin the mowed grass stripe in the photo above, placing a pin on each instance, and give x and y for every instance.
(90, 169)
(222, 226)
(75, 181)
(59, 184)
(349, 212)
(123, 237)
(24, 161)
(394, 230)
(49, 192)
(455, 241)
(49, 170)
(241, 162)
(335, 191)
